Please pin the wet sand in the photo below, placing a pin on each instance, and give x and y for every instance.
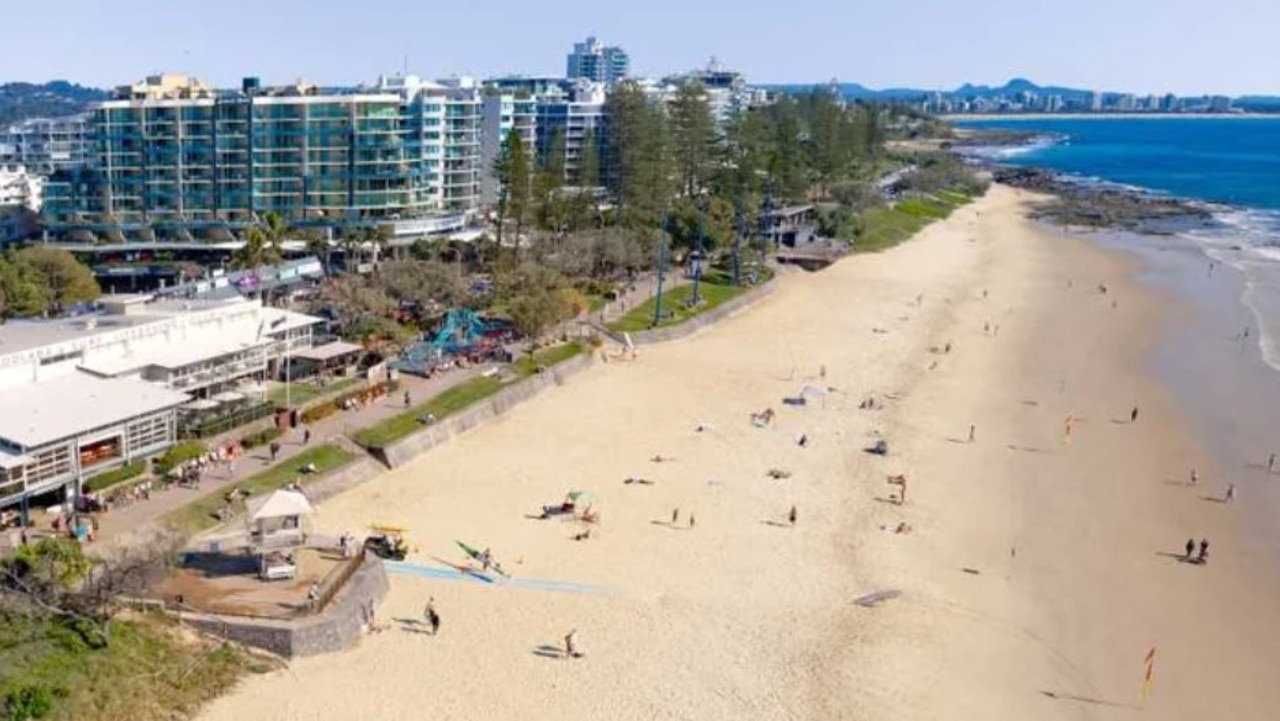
(1037, 575)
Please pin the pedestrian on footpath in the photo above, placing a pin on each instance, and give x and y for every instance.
(306, 436)
(275, 450)
(407, 399)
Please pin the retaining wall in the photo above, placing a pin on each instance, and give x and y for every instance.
(406, 449)
(702, 320)
(336, 628)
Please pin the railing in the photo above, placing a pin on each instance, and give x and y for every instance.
(338, 578)
(222, 424)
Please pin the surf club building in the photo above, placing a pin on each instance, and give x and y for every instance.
(83, 395)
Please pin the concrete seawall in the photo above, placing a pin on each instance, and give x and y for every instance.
(336, 628)
(406, 449)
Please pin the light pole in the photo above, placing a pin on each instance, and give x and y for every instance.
(662, 261)
(697, 252)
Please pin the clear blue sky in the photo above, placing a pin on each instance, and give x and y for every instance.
(1182, 46)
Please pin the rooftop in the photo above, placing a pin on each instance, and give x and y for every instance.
(44, 412)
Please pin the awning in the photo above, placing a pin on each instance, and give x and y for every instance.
(328, 351)
(227, 397)
(202, 404)
(279, 504)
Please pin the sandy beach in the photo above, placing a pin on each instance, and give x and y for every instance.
(1037, 574)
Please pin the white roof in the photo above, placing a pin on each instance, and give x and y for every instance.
(290, 320)
(13, 460)
(328, 350)
(206, 348)
(76, 403)
(278, 505)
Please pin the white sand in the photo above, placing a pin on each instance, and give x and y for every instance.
(742, 619)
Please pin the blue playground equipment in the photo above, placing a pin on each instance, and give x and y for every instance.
(462, 330)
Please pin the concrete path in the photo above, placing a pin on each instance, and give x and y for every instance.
(337, 429)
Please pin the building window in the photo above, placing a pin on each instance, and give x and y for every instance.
(149, 432)
(50, 464)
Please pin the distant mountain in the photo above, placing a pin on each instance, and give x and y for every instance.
(969, 91)
(19, 101)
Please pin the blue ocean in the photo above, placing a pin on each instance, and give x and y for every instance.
(1231, 164)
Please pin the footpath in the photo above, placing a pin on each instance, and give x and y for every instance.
(338, 428)
(335, 429)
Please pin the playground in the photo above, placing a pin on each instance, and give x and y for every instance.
(464, 337)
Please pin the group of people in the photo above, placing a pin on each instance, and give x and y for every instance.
(1191, 556)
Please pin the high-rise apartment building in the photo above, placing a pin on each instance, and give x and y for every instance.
(502, 113)
(179, 158)
(46, 145)
(592, 60)
(568, 121)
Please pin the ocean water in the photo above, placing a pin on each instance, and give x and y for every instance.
(1230, 164)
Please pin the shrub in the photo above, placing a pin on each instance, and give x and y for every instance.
(28, 702)
(261, 438)
(114, 476)
(179, 454)
(319, 411)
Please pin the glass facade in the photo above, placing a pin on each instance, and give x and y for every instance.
(188, 164)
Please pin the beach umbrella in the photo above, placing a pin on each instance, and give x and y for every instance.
(586, 497)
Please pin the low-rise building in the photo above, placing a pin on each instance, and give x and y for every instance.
(85, 394)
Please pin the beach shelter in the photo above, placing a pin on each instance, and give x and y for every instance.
(581, 498)
(815, 391)
(275, 519)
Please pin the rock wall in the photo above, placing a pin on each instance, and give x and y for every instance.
(406, 449)
(336, 628)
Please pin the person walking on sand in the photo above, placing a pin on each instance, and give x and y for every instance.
(1133, 415)
(792, 515)
(1204, 551)
(432, 618)
(571, 644)
(692, 521)
(1231, 493)
(972, 431)
(1271, 463)
(1195, 478)
(1191, 548)
(675, 515)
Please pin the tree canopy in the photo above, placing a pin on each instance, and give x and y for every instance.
(43, 280)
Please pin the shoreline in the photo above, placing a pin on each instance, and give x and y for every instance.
(1016, 117)
(738, 618)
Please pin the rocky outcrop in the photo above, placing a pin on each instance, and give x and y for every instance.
(1101, 206)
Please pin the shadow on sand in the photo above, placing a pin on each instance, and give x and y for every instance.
(546, 651)
(1213, 499)
(1087, 699)
(775, 524)
(1027, 449)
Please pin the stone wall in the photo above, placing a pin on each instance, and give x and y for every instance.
(406, 449)
(336, 628)
(698, 322)
(343, 478)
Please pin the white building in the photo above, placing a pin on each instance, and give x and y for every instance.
(19, 187)
(45, 145)
(502, 113)
(83, 395)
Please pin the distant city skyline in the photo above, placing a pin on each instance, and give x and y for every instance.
(934, 44)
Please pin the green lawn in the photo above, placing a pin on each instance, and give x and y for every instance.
(199, 514)
(715, 290)
(596, 302)
(300, 394)
(886, 227)
(458, 398)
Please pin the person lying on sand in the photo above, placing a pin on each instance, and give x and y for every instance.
(661, 459)
(778, 473)
(642, 481)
